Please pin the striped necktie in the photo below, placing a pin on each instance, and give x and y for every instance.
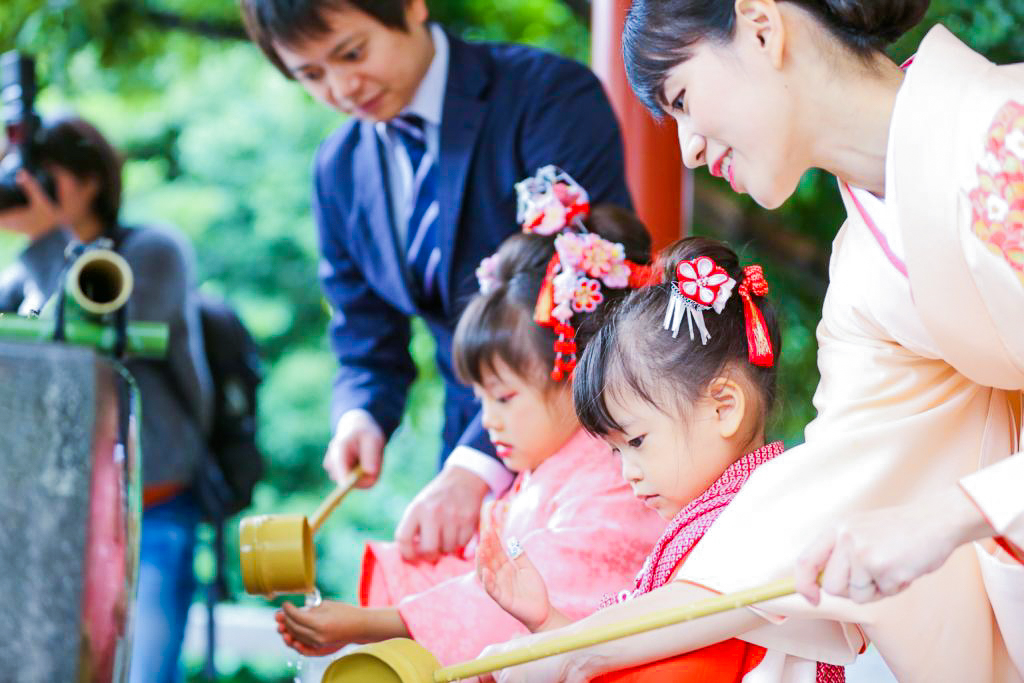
(422, 253)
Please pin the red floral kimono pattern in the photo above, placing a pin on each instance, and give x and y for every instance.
(997, 203)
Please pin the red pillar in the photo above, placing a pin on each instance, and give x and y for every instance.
(655, 174)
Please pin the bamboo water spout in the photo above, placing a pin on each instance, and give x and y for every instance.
(98, 284)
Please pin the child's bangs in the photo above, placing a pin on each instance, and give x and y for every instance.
(630, 358)
(488, 330)
(606, 372)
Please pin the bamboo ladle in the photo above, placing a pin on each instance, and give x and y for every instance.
(402, 660)
(276, 551)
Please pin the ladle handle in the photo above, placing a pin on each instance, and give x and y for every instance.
(331, 502)
(629, 627)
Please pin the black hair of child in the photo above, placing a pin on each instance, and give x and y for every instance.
(633, 353)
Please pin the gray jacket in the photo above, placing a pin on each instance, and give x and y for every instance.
(176, 392)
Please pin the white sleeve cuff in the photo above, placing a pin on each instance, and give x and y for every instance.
(482, 465)
(996, 490)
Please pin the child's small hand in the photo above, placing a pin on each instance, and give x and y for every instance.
(320, 630)
(514, 583)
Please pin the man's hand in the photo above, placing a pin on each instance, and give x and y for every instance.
(357, 441)
(443, 517)
(38, 217)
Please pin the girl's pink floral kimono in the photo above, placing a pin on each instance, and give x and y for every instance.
(574, 515)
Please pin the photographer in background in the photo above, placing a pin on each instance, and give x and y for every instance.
(175, 391)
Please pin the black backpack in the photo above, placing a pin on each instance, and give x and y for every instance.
(225, 480)
(226, 477)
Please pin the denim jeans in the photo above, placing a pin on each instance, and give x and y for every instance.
(166, 584)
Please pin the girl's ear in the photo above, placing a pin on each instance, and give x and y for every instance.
(729, 402)
(760, 21)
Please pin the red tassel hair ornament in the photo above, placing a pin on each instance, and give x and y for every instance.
(759, 344)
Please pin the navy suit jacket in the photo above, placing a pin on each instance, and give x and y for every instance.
(508, 110)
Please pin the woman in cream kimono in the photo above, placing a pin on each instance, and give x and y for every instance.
(910, 478)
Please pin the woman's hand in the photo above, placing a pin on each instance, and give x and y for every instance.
(35, 219)
(329, 626)
(547, 669)
(513, 582)
(876, 554)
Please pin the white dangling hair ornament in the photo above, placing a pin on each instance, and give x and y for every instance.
(701, 284)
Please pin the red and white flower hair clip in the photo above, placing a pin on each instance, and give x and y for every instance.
(701, 284)
(550, 201)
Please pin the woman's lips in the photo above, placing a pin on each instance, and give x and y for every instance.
(732, 176)
(725, 168)
(716, 168)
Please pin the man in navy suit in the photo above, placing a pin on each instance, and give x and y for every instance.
(410, 194)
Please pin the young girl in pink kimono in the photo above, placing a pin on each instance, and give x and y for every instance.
(516, 345)
(911, 475)
(679, 381)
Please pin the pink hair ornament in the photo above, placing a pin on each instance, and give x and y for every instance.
(550, 201)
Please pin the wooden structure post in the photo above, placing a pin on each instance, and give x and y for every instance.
(657, 180)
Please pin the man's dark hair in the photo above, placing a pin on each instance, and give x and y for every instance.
(660, 34)
(291, 22)
(78, 147)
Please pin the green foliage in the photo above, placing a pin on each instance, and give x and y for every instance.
(542, 23)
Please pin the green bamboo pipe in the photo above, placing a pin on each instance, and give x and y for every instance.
(628, 627)
(142, 339)
(98, 283)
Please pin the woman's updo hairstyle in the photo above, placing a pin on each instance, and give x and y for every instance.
(633, 353)
(660, 34)
(499, 323)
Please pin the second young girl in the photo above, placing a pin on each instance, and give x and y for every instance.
(679, 381)
(516, 345)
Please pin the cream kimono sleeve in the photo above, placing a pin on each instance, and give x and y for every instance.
(998, 491)
(967, 277)
(962, 218)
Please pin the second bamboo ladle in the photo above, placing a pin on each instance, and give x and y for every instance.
(276, 551)
(402, 660)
